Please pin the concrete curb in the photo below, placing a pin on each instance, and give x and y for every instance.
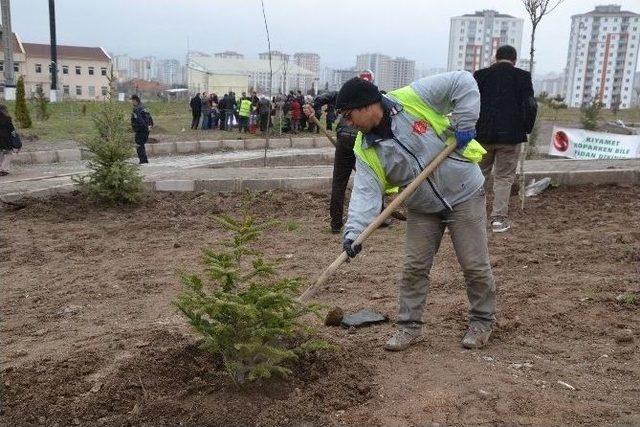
(168, 148)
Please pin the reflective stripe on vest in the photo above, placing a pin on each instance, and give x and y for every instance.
(369, 157)
(245, 108)
(416, 107)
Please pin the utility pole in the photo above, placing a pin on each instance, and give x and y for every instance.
(7, 41)
(53, 94)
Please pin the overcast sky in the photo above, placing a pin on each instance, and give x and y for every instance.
(337, 30)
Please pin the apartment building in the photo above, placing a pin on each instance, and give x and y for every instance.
(475, 38)
(602, 57)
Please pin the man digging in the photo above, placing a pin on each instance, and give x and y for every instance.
(401, 132)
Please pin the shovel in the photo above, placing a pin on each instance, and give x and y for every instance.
(315, 121)
(386, 213)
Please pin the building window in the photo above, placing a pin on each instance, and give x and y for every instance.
(103, 89)
(1, 65)
(38, 68)
(65, 90)
(78, 90)
(16, 67)
(92, 91)
(78, 70)
(65, 69)
(91, 71)
(103, 71)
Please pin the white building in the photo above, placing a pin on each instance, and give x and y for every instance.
(229, 54)
(552, 84)
(333, 79)
(286, 75)
(169, 72)
(382, 68)
(475, 38)
(403, 72)
(635, 100)
(602, 56)
(308, 61)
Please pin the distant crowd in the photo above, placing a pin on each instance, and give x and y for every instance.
(255, 113)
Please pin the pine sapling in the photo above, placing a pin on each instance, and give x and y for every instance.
(42, 112)
(113, 178)
(22, 112)
(247, 316)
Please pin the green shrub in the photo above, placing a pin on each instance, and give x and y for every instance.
(248, 317)
(42, 112)
(113, 178)
(590, 115)
(22, 112)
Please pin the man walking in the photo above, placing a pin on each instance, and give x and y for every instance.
(400, 134)
(507, 114)
(141, 122)
(196, 110)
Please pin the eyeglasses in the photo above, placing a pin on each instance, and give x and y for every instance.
(346, 115)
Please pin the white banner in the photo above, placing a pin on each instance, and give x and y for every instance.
(584, 144)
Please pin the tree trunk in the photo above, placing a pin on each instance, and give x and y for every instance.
(525, 148)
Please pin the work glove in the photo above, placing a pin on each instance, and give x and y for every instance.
(351, 250)
(463, 137)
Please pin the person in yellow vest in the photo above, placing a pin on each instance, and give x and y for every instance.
(400, 133)
(244, 113)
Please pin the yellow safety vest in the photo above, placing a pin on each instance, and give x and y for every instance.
(417, 108)
(245, 108)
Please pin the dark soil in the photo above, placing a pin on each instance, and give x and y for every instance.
(89, 336)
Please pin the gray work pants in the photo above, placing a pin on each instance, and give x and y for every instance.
(503, 160)
(467, 227)
(5, 160)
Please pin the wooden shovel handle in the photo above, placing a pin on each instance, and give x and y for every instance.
(386, 213)
(315, 120)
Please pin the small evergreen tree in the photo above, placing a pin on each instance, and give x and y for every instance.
(22, 112)
(591, 114)
(556, 103)
(248, 318)
(113, 179)
(41, 104)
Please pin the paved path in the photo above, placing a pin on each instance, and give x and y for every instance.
(288, 168)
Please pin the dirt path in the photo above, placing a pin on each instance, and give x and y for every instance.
(89, 336)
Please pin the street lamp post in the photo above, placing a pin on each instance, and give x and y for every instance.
(7, 41)
(53, 94)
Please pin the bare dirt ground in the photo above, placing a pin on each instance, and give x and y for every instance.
(89, 336)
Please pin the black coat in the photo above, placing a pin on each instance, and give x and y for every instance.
(196, 104)
(507, 106)
(6, 127)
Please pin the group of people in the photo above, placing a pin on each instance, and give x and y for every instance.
(211, 112)
(389, 138)
(250, 113)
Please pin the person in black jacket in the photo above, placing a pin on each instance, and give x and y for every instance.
(141, 122)
(507, 114)
(6, 133)
(344, 159)
(196, 110)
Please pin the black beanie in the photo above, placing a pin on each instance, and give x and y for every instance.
(357, 93)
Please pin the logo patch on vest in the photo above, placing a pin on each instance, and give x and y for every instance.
(419, 127)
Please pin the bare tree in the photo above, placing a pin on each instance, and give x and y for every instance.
(536, 9)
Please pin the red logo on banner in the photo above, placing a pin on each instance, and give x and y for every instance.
(420, 127)
(561, 141)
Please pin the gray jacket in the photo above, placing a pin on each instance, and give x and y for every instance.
(409, 152)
